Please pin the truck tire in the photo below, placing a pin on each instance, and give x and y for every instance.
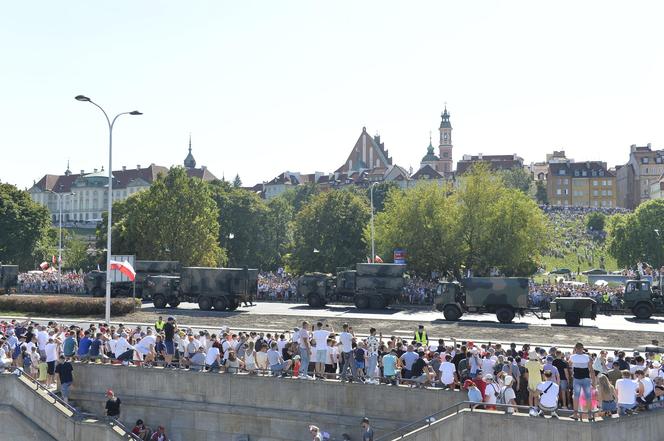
(173, 302)
(452, 313)
(572, 319)
(642, 311)
(159, 301)
(314, 301)
(505, 315)
(221, 303)
(233, 305)
(377, 302)
(361, 302)
(205, 303)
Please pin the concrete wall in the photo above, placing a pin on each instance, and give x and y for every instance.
(203, 406)
(46, 421)
(16, 427)
(481, 425)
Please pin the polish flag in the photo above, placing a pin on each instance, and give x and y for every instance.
(377, 259)
(43, 266)
(125, 268)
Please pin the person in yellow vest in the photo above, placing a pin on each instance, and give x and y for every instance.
(159, 324)
(421, 336)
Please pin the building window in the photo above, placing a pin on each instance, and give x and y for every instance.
(645, 160)
(584, 173)
(609, 193)
(565, 181)
(595, 193)
(558, 192)
(561, 172)
(595, 183)
(601, 172)
(576, 173)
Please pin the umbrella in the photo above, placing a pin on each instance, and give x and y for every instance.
(601, 283)
(650, 348)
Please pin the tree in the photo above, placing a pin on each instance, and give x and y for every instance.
(380, 192)
(298, 196)
(328, 232)
(595, 221)
(424, 221)
(25, 229)
(639, 236)
(518, 179)
(75, 254)
(540, 193)
(175, 219)
(237, 182)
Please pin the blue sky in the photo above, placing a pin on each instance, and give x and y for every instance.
(269, 86)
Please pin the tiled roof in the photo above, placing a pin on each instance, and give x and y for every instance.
(426, 172)
(588, 167)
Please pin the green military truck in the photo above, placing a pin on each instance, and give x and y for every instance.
(641, 300)
(573, 309)
(369, 285)
(221, 288)
(95, 281)
(8, 279)
(504, 296)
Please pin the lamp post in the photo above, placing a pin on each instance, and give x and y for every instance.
(111, 123)
(59, 196)
(373, 244)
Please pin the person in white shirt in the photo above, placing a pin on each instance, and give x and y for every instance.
(51, 350)
(448, 374)
(507, 391)
(646, 389)
(145, 347)
(627, 389)
(42, 339)
(320, 343)
(548, 390)
(346, 340)
(491, 392)
(123, 350)
(305, 347)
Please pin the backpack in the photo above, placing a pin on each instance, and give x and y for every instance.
(500, 398)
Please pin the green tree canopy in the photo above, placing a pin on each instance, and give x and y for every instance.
(24, 229)
(380, 192)
(595, 221)
(638, 236)
(540, 193)
(175, 219)
(518, 179)
(237, 182)
(328, 232)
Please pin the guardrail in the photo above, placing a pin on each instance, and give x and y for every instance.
(401, 432)
(69, 411)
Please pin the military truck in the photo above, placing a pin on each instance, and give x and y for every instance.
(95, 281)
(8, 279)
(221, 288)
(573, 309)
(641, 300)
(504, 296)
(373, 285)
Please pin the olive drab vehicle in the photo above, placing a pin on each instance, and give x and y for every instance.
(641, 300)
(373, 285)
(504, 296)
(573, 309)
(221, 288)
(95, 281)
(8, 279)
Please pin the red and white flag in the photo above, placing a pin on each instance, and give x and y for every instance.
(53, 259)
(377, 259)
(125, 268)
(43, 266)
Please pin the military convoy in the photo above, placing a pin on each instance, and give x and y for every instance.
(641, 299)
(8, 278)
(95, 281)
(369, 285)
(221, 288)
(505, 297)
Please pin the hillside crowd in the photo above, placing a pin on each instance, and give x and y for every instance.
(47, 282)
(544, 378)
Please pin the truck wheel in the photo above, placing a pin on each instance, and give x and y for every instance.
(234, 304)
(173, 302)
(97, 292)
(452, 313)
(205, 303)
(377, 302)
(361, 302)
(159, 301)
(572, 319)
(505, 315)
(221, 303)
(314, 301)
(642, 311)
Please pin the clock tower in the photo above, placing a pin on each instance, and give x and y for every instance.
(445, 146)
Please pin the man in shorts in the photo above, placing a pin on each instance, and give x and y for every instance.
(548, 391)
(169, 334)
(320, 344)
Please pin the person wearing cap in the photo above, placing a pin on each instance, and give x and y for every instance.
(534, 369)
(474, 394)
(112, 408)
(491, 392)
(421, 336)
(507, 392)
(367, 431)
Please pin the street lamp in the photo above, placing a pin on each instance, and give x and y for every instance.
(111, 123)
(59, 196)
(373, 244)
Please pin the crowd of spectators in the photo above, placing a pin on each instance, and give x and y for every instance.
(545, 379)
(47, 282)
(277, 285)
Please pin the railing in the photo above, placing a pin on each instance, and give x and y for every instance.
(68, 410)
(401, 432)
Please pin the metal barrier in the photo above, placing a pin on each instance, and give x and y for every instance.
(69, 411)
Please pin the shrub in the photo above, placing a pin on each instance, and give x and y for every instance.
(65, 305)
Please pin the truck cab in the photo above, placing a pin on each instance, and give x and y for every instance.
(640, 298)
(449, 300)
(162, 290)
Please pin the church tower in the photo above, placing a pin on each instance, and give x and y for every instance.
(189, 161)
(445, 146)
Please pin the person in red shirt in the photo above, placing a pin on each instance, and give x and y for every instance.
(479, 382)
